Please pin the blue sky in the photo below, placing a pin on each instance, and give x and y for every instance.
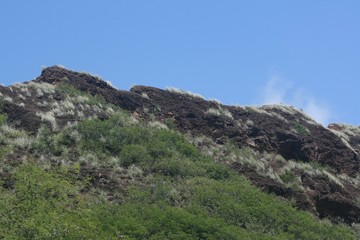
(302, 53)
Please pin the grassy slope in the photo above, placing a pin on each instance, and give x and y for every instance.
(173, 192)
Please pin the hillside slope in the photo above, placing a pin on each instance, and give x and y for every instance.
(135, 165)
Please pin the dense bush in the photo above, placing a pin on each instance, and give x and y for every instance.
(42, 205)
(140, 221)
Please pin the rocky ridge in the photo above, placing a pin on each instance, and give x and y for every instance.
(278, 148)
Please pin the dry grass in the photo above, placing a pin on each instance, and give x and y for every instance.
(183, 92)
(219, 112)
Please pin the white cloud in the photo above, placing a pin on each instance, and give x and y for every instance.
(318, 111)
(275, 90)
(281, 91)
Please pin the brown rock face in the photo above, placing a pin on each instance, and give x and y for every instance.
(93, 86)
(331, 191)
(277, 129)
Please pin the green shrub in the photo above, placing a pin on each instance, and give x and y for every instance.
(173, 166)
(133, 154)
(240, 204)
(3, 119)
(140, 221)
(288, 177)
(301, 129)
(69, 90)
(42, 205)
(176, 142)
(4, 150)
(47, 141)
(158, 149)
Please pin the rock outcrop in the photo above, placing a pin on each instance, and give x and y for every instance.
(318, 166)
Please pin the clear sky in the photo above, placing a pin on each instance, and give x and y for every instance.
(302, 53)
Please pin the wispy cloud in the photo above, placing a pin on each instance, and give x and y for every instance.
(278, 90)
(275, 90)
(318, 111)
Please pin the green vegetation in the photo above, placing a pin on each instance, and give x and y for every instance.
(299, 128)
(172, 190)
(69, 90)
(288, 177)
(2, 119)
(41, 205)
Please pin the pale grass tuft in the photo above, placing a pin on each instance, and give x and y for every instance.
(42, 104)
(22, 142)
(22, 97)
(349, 130)
(353, 180)
(216, 101)
(82, 99)
(74, 134)
(49, 117)
(8, 130)
(80, 114)
(90, 159)
(110, 84)
(8, 99)
(157, 124)
(42, 88)
(39, 92)
(109, 110)
(311, 170)
(144, 95)
(64, 108)
(213, 111)
(292, 111)
(341, 134)
(67, 105)
(183, 92)
(60, 66)
(249, 123)
(135, 171)
(273, 111)
(219, 112)
(345, 133)
(267, 110)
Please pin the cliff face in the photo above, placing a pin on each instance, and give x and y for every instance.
(278, 148)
